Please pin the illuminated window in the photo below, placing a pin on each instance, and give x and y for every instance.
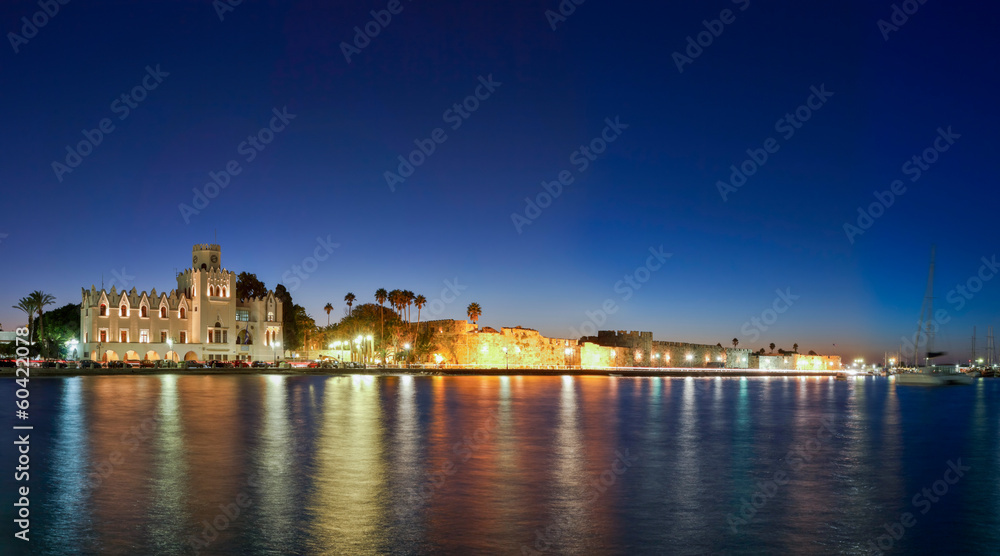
(183, 337)
(123, 311)
(123, 336)
(142, 311)
(103, 335)
(270, 316)
(163, 336)
(243, 315)
(163, 311)
(144, 336)
(183, 313)
(104, 310)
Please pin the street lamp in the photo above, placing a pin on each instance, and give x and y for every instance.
(506, 361)
(370, 348)
(275, 346)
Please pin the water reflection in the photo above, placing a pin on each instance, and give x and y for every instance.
(419, 465)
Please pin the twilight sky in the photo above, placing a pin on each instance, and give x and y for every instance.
(643, 139)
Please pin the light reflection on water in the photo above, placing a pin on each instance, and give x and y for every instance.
(413, 465)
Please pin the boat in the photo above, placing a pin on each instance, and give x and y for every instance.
(930, 374)
(934, 375)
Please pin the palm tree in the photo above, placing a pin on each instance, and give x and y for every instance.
(349, 299)
(408, 300)
(328, 308)
(795, 348)
(394, 301)
(27, 305)
(419, 301)
(736, 342)
(772, 347)
(475, 311)
(380, 297)
(40, 300)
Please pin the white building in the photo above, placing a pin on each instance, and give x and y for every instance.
(201, 320)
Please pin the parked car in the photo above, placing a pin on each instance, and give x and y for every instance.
(89, 364)
(260, 364)
(147, 364)
(135, 363)
(119, 365)
(220, 364)
(194, 365)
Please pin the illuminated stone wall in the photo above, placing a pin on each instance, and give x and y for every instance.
(461, 343)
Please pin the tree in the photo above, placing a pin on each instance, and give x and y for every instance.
(736, 342)
(408, 298)
(762, 351)
(772, 347)
(328, 308)
(475, 311)
(380, 297)
(349, 299)
(247, 286)
(795, 348)
(63, 325)
(27, 305)
(40, 300)
(419, 301)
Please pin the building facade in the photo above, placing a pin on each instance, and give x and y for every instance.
(200, 320)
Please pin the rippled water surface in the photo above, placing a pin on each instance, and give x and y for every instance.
(505, 465)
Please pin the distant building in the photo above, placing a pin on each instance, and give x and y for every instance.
(639, 349)
(200, 320)
(789, 361)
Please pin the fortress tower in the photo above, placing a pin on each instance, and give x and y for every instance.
(206, 257)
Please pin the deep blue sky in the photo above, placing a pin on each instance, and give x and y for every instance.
(654, 186)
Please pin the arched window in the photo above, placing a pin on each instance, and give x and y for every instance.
(244, 338)
(163, 311)
(142, 311)
(218, 324)
(225, 291)
(183, 313)
(123, 312)
(270, 316)
(104, 310)
(204, 266)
